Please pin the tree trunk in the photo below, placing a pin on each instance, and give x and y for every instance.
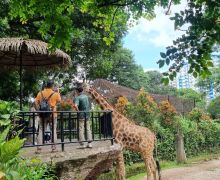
(180, 151)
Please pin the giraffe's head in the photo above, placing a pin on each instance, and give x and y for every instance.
(86, 87)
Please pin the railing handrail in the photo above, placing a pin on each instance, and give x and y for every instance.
(66, 111)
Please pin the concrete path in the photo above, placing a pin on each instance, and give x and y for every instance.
(209, 170)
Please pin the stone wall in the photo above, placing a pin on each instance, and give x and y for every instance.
(88, 166)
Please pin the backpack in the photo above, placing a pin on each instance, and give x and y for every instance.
(45, 106)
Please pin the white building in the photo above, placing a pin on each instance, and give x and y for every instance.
(184, 79)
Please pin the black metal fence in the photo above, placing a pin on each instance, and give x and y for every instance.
(40, 130)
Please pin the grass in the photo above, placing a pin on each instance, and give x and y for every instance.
(137, 170)
(171, 164)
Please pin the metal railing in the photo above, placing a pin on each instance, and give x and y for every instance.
(67, 129)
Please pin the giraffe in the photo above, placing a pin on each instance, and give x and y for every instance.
(130, 136)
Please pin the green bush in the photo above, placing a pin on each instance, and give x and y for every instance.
(214, 108)
(165, 144)
(10, 162)
(199, 115)
(35, 170)
(211, 134)
(7, 111)
(131, 157)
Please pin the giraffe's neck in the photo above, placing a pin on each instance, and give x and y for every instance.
(100, 100)
(116, 116)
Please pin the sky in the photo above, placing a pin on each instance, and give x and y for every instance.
(148, 38)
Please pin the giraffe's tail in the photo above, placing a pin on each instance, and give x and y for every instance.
(157, 161)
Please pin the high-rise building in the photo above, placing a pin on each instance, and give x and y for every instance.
(211, 91)
(184, 79)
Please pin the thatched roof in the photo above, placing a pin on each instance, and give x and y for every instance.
(34, 53)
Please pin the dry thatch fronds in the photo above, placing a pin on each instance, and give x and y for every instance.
(34, 53)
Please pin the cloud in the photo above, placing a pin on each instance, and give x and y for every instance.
(151, 69)
(160, 30)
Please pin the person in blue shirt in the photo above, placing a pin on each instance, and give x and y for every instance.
(82, 104)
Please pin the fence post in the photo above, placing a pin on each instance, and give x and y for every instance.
(33, 128)
(62, 135)
(112, 141)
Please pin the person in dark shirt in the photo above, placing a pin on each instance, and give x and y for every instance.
(82, 104)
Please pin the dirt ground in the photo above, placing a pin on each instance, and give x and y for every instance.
(209, 170)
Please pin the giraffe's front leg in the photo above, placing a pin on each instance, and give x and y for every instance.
(120, 167)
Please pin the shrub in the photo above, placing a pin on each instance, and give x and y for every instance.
(211, 134)
(144, 111)
(131, 157)
(121, 104)
(10, 162)
(198, 115)
(167, 113)
(214, 108)
(165, 144)
(7, 111)
(35, 170)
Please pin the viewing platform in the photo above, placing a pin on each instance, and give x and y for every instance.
(71, 161)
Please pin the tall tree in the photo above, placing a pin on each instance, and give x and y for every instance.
(56, 22)
(155, 86)
(125, 71)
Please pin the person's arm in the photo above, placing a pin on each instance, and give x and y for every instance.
(37, 101)
(58, 98)
(76, 102)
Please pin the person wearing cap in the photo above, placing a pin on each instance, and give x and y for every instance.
(82, 104)
(53, 99)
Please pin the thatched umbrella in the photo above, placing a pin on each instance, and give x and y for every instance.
(19, 53)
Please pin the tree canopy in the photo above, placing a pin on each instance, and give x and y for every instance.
(202, 26)
(55, 19)
(155, 86)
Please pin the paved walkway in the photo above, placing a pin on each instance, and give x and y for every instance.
(209, 170)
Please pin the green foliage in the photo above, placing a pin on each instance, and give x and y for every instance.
(155, 85)
(55, 19)
(167, 114)
(195, 45)
(10, 83)
(198, 115)
(125, 72)
(165, 144)
(211, 134)
(212, 81)
(10, 162)
(143, 111)
(7, 111)
(35, 170)
(9, 155)
(192, 94)
(131, 157)
(214, 107)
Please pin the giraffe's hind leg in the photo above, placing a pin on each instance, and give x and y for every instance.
(120, 167)
(150, 166)
(154, 168)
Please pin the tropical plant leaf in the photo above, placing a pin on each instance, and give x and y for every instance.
(4, 134)
(10, 149)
